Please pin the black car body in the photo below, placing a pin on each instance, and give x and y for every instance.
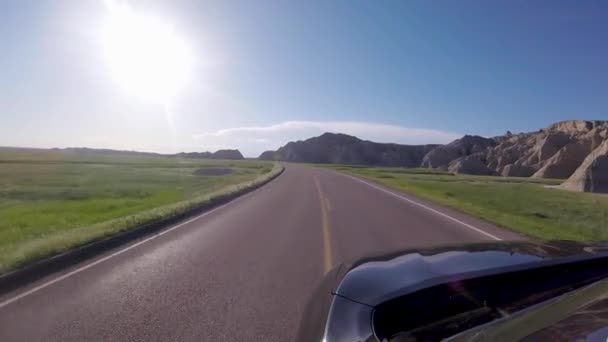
(441, 293)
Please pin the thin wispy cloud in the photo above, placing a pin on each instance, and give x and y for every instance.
(252, 140)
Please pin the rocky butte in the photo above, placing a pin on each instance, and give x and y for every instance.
(575, 150)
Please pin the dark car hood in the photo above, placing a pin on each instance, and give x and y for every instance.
(373, 280)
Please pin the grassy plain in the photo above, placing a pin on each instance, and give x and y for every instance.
(51, 201)
(526, 205)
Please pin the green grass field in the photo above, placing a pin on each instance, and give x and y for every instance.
(524, 205)
(51, 201)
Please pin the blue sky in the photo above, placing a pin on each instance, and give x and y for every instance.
(266, 72)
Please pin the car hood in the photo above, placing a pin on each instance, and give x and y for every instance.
(373, 280)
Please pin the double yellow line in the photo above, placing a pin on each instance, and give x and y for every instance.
(325, 208)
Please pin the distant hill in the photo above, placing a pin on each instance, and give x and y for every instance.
(576, 150)
(219, 154)
(102, 151)
(339, 148)
(267, 155)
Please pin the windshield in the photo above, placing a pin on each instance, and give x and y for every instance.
(183, 170)
(579, 315)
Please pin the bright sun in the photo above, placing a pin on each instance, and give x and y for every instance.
(146, 56)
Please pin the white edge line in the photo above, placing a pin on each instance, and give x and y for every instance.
(119, 252)
(424, 207)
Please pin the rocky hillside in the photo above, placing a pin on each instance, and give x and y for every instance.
(575, 150)
(442, 156)
(592, 174)
(554, 152)
(345, 149)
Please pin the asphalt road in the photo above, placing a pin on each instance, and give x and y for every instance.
(242, 272)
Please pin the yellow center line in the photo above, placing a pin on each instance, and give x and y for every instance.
(327, 204)
(325, 207)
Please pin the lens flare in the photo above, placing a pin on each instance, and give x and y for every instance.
(145, 54)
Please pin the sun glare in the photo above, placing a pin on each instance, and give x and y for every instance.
(146, 56)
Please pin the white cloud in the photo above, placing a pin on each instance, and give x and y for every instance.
(252, 140)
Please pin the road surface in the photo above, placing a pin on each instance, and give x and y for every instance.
(242, 272)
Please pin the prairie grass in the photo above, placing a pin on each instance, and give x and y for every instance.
(51, 201)
(526, 205)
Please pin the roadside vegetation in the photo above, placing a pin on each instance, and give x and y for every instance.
(526, 205)
(51, 201)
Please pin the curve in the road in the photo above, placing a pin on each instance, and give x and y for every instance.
(241, 272)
